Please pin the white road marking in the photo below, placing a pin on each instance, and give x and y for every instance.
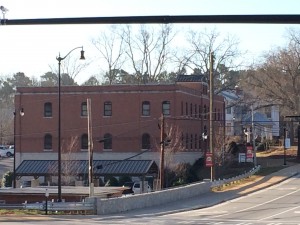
(264, 203)
(268, 217)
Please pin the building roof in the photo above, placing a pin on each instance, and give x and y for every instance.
(191, 78)
(258, 118)
(230, 95)
(38, 168)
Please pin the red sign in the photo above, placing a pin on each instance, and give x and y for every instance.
(249, 152)
(209, 159)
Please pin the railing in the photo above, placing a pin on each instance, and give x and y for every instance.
(61, 206)
(219, 183)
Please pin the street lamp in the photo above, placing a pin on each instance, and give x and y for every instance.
(21, 112)
(59, 59)
(46, 203)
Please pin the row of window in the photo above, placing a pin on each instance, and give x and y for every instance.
(196, 111)
(166, 108)
(192, 110)
(190, 141)
(107, 141)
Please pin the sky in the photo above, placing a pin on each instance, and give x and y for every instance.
(33, 49)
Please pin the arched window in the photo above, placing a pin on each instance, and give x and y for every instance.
(107, 108)
(84, 141)
(205, 112)
(84, 109)
(181, 108)
(145, 141)
(187, 141)
(146, 108)
(166, 108)
(186, 109)
(199, 115)
(48, 141)
(48, 109)
(107, 143)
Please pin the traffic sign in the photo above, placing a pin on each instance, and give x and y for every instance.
(209, 159)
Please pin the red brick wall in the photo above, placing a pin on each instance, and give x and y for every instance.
(126, 123)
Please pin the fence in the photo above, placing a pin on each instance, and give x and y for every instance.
(87, 207)
(219, 183)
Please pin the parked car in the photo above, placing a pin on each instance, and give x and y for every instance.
(11, 149)
(136, 188)
(6, 151)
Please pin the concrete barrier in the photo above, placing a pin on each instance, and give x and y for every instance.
(131, 202)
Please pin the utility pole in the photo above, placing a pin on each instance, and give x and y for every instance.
(211, 107)
(90, 147)
(162, 152)
(284, 146)
(253, 136)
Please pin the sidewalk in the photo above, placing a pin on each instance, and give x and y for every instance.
(213, 198)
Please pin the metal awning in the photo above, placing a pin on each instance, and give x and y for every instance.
(80, 167)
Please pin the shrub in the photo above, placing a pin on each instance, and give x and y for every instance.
(7, 179)
(111, 181)
(124, 179)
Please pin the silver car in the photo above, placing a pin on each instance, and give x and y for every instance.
(7, 151)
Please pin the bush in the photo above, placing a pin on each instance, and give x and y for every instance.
(263, 146)
(111, 181)
(184, 173)
(7, 179)
(124, 179)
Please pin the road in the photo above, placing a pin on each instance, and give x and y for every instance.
(277, 205)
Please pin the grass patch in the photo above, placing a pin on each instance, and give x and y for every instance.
(8, 212)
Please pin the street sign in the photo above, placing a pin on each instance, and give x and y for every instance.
(209, 159)
(287, 143)
(249, 151)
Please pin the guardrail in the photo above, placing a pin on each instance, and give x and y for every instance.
(61, 206)
(219, 183)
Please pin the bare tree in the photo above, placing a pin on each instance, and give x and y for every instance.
(110, 45)
(276, 81)
(226, 53)
(149, 51)
(71, 66)
(69, 147)
(69, 169)
(173, 143)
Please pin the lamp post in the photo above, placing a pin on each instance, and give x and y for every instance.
(253, 137)
(284, 146)
(15, 149)
(59, 59)
(211, 104)
(46, 203)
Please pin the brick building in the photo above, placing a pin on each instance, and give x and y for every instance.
(125, 120)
